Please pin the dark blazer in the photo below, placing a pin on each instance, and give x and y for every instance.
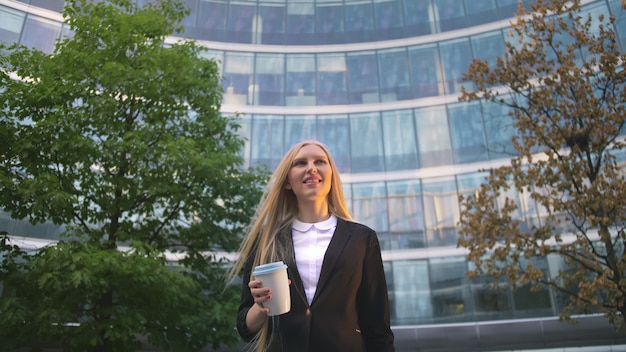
(350, 309)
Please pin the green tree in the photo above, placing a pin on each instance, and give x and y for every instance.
(118, 135)
(562, 80)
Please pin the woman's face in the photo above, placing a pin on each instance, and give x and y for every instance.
(310, 175)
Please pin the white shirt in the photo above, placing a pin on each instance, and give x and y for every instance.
(310, 242)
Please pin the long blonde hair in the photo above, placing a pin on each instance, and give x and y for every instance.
(276, 210)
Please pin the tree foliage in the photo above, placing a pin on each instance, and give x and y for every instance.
(562, 79)
(117, 135)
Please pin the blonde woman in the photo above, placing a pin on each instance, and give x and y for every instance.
(338, 290)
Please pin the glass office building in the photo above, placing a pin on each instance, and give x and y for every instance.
(378, 82)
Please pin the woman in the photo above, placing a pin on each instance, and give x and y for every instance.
(338, 290)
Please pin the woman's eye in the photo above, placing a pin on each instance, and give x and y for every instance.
(321, 162)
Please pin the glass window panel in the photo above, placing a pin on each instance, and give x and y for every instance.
(441, 211)
(212, 16)
(620, 19)
(389, 19)
(481, 11)
(359, 22)
(238, 79)
(499, 130)
(11, 22)
(433, 136)
(491, 303)
(488, 46)
(242, 23)
(367, 143)
(363, 77)
(426, 71)
(272, 23)
(394, 80)
(40, 33)
(267, 142)
(369, 205)
(533, 304)
(269, 85)
(331, 79)
(419, 18)
(455, 59)
(406, 214)
(54, 5)
(300, 79)
(409, 292)
(466, 130)
(399, 140)
(330, 22)
(451, 14)
(299, 128)
(508, 8)
(469, 184)
(300, 22)
(334, 131)
(189, 22)
(451, 297)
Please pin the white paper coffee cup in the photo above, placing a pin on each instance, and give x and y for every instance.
(274, 277)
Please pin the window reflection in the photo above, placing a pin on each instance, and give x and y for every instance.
(451, 14)
(267, 142)
(394, 81)
(399, 140)
(480, 11)
(331, 79)
(441, 211)
(40, 33)
(406, 220)
(369, 205)
(363, 77)
(409, 293)
(419, 18)
(367, 143)
(271, 23)
(11, 23)
(241, 23)
(466, 130)
(269, 82)
(300, 22)
(488, 47)
(212, 16)
(389, 19)
(451, 298)
(455, 59)
(433, 136)
(299, 128)
(334, 131)
(500, 130)
(330, 23)
(239, 84)
(491, 303)
(300, 79)
(359, 22)
(426, 71)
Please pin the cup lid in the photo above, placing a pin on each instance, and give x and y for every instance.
(268, 268)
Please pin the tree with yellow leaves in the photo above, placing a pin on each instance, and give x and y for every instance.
(563, 80)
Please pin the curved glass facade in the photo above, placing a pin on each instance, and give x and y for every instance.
(378, 82)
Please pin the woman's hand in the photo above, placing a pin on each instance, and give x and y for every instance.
(260, 294)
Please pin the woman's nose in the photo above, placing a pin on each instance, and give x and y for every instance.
(312, 168)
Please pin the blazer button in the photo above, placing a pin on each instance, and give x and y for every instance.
(308, 312)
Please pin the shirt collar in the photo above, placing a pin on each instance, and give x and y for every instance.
(327, 224)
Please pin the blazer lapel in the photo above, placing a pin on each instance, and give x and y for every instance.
(286, 240)
(337, 244)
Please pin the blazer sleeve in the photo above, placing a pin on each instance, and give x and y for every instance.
(246, 303)
(373, 300)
